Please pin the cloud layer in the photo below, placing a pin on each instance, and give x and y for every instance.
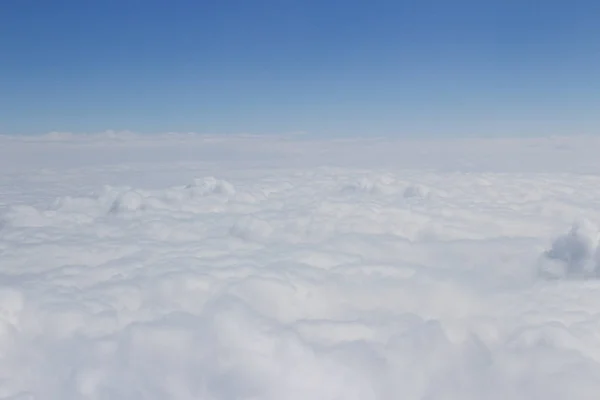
(144, 268)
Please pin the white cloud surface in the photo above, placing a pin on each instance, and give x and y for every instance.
(199, 267)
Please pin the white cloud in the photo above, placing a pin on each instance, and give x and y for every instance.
(245, 267)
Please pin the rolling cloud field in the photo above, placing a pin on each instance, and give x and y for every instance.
(244, 267)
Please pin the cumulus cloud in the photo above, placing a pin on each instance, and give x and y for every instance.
(574, 254)
(248, 273)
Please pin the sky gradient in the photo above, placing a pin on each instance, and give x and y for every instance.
(320, 67)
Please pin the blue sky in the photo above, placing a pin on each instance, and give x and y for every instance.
(317, 66)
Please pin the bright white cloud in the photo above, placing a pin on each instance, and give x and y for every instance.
(189, 266)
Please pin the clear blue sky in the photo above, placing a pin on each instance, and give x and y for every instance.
(317, 66)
